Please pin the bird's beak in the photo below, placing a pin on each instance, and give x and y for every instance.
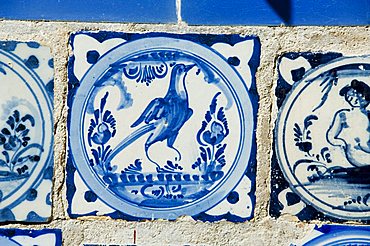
(188, 67)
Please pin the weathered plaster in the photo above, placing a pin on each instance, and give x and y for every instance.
(262, 230)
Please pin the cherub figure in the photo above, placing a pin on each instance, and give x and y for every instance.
(350, 128)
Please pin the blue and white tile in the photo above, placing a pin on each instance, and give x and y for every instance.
(339, 235)
(26, 138)
(321, 161)
(19, 237)
(162, 125)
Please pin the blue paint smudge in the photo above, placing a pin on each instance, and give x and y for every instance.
(32, 62)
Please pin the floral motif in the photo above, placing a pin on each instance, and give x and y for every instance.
(317, 163)
(15, 141)
(145, 73)
(213, 131)
(303, 136)
(102, 128)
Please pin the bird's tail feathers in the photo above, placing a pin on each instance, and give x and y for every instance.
(129, 140)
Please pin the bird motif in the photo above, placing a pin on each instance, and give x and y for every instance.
(163, 117)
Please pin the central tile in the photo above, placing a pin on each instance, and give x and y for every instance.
(162, 125)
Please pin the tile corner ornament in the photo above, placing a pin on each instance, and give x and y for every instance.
(26, 131)
(162, 125)
(321, 162)
(23, 237)
(341, 235)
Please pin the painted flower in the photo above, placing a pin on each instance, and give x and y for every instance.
(103, 126)
(215, 127)
(102, 134)
(215, 134)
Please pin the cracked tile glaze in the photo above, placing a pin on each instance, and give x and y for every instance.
(162, 125)
(26, 136)
(322, 138)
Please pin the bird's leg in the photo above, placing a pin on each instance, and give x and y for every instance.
(171, 141)
(158, 168)
(178, 153)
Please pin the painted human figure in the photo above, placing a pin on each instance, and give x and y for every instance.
(350, 128)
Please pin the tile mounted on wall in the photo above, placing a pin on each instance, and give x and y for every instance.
(44, 237)
(320, 165)
(162, 125)
(276, 12)
(26, 136)
(336, 235)
(143, 11)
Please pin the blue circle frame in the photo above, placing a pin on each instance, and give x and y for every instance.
(280, 136)
(236, 86)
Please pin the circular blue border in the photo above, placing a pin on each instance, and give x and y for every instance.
(41, 86)
(359, 61)
(128, 49)
(342, 238)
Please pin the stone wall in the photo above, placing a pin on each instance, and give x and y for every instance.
(262, 230)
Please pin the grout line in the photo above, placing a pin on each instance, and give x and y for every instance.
(178, 12)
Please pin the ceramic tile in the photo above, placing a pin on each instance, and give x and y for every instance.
(276, 12)
(26, 136)
(336, 235)
(143, 11)
(162, 125)
(320, 167)
(18, 237)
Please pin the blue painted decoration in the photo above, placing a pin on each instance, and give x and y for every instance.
(321, 158)
(276, 12)
(146, 141)
(19, 237)
(339, 235)
(144, 11)
(26, 132)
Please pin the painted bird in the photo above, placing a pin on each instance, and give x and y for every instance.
(163, 117)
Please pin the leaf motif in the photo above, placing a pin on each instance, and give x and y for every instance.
(203, 154)
(2, 139)
(96, 115)
(170, 165)
(220, 151)
(209, 153)
(107, 113)
(221, 114)
(11, 122)
(297, 129)
(96, 156)
(308, 135)
(3, 163)
(308, 120)
(208, 116)
(16, 115)
(5, 131)
(103, 101)
(213, 105)
(25, 133)
(20, 127)
(5, 153)
(29, 118)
